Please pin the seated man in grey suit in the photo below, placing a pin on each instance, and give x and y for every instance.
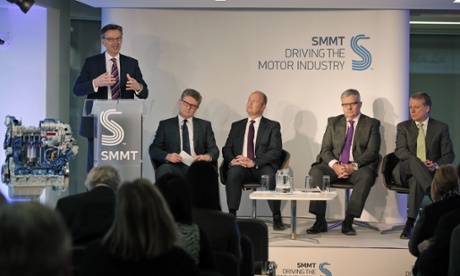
(89, 215)
(253, 148)
(183, 134)
(422, 145)
(349, 151)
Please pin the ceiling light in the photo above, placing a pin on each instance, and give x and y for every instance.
(24, 5)
(434, 22)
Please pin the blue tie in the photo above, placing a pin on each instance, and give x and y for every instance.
(185, 138)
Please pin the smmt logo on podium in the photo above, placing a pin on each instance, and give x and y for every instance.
(118, 134)
(366, 57)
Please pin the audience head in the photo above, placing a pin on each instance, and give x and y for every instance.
(176, 192)
(143, 226)
(445, 183)
(204, 180)
(102, 175)
(34, 240)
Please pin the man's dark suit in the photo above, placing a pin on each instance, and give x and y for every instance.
(411, 171)
(95, 66)
(366, 147)
(88, 215)
(167, 140)
(268, 148)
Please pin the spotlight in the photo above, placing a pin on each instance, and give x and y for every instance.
(24, 5)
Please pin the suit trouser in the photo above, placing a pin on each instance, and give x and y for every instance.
(362, 179)
(414, 174)
(238, 175)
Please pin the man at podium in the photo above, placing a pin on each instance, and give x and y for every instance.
(109, 76)
(183, 139)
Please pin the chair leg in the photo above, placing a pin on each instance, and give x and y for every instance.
(254, 209)
(365, 224)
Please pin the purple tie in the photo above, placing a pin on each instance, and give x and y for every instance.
(251, 140)
(345, 156)
(115, 88)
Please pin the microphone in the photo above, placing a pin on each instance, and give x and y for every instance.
(2, 41)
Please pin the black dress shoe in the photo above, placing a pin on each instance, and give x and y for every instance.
(406, 233)
(318, 226)
(348, 229)
(278, 224)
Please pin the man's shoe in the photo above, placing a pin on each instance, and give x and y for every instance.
(406, 233)
(348, 229)
(318, 226)
(278, 224)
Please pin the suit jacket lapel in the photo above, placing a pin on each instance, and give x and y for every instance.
(260, 131)
(176, 132)
(359, 129)
(196, 131)
(430, 131)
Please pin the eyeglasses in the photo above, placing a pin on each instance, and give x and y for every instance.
(189, 105)
(112, 39)
(350, 104)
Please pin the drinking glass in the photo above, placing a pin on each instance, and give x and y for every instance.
(264, 182)
(308, 182)
(326, 183)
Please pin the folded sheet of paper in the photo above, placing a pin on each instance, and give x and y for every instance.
(187, 159)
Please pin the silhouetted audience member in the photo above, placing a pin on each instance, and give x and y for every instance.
(445, 195)
(34, 241)
(221, 228)
(454, 255)
(141, 239)
(434, 259)
(192, 239)
(2, 199)
(89, 215)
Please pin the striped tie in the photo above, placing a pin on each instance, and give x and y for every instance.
(115, 88)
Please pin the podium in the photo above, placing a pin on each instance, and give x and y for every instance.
(117, 135)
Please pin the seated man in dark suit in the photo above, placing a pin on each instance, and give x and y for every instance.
(183, 134)
(349, 151)
(422, 145)
(89, 215)
(247, 159)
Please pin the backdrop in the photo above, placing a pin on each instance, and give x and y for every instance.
(302, 60)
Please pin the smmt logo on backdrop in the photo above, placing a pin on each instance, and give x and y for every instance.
(324, 270)
(362, 52)
(118, 134)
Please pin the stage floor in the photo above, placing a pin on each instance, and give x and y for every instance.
(335, 254)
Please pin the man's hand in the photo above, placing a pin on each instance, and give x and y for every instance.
(203, 157)
(240, 160)
(105, 79)
(132, 84)
(430, 165)
(173, 158)
(341, 170)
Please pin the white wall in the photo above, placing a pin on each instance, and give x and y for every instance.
(217, 53)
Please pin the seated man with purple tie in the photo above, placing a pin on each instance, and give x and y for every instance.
(253, 148)
(109, 75)
(349, 151)
(183, 135)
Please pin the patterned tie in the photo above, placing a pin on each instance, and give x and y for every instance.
(345, 156)
(115, 88)
(251, 140)
(185, 138)
(421, 150)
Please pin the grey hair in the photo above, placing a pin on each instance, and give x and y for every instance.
(192, 93)
(351, 92)
(107, 175)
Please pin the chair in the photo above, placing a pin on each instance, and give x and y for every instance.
(78, 252)
(257, 231)
(389, 162)
(227, 263)
(284, 164)
(343, 184)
